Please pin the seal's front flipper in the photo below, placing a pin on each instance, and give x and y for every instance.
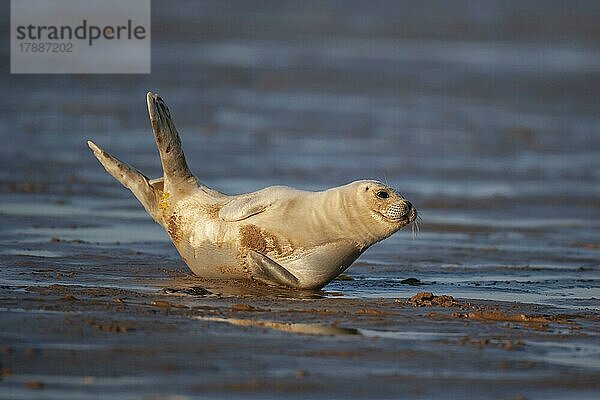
(175, 168)
(250, 204)
(131, 178)
(268, 271)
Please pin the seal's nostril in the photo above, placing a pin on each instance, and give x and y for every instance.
(405, 208)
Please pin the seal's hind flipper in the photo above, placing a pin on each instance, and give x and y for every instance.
(268, 271)
(175, 168)
(131, 178)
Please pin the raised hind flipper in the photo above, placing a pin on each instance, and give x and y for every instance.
(175, 168)
(131, 178)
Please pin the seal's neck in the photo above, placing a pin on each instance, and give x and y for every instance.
(341, 214)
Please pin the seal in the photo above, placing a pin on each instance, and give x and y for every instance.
(278, 235)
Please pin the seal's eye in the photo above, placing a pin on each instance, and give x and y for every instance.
(382, 194)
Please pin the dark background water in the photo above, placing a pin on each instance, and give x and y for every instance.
(486, 115)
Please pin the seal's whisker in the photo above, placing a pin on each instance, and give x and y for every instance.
(416, 229)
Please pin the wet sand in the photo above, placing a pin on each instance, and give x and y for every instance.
(175, 337)
(486, 117)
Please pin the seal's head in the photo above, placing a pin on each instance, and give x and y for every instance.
(387, 210)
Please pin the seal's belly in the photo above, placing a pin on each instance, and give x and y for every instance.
(213, 248)
(210, 249)
(209, 261)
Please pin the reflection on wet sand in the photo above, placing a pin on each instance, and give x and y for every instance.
(194, 286)
(299, 328)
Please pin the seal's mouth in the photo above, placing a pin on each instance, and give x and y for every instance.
(410, 218)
